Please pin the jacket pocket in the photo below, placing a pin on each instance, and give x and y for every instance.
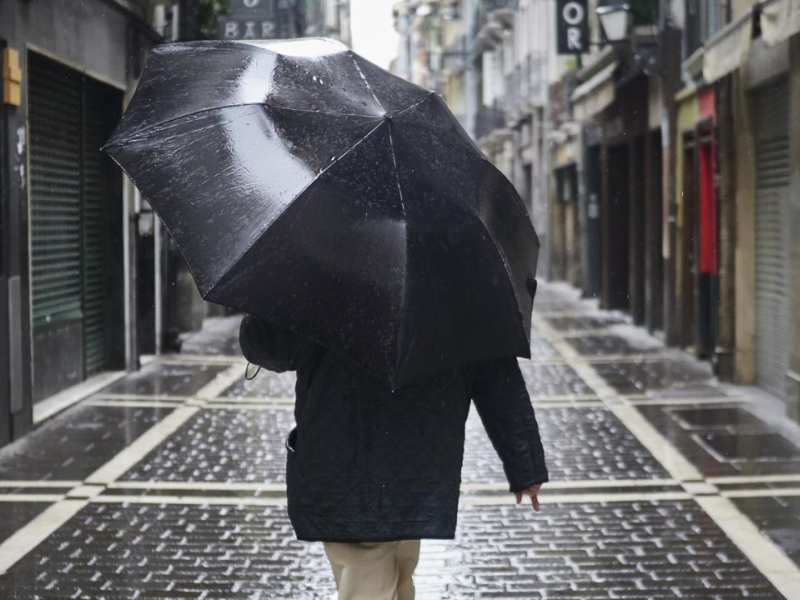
(291, 441)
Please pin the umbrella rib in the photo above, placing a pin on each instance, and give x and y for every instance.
(404, 298)
(369, 87)
(415, 105)
(286, 208)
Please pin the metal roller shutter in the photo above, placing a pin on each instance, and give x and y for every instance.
(95, 197)
(772, 236)
(55, 128)
(71, 117)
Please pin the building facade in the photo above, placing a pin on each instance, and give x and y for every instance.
(65, 229)
(662, 171)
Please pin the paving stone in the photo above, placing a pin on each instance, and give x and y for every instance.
(218, 337)
(746, 447)
(584, 322)
(158, 379)
(729, 418)
(671, 377)
(604, 345)
(15, 515)
(233, 552)
(549, 380)
(739, 452)
(241, 445)
(76, 443)
(580, 444)
(265, 384)
(541, 348)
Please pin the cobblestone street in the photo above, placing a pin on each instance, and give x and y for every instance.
(169, 483)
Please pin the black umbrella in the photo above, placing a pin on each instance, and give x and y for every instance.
(308, 186)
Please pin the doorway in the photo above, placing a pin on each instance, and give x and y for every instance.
(616, 228)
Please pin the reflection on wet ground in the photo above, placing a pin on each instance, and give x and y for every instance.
(170, 483)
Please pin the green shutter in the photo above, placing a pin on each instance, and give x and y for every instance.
(95, 195)
(54, 111)
(71, 116)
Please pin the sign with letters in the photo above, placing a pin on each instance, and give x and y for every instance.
(572, 18)
(258, 20)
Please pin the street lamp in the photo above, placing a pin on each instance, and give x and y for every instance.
(616, 20)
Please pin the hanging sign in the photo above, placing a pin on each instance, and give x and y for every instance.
(258, 20)
(572, 20)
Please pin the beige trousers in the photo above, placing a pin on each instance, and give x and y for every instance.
(374, 570)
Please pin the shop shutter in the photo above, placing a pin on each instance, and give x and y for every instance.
(54, 101)
(95, 197)
(772, 236)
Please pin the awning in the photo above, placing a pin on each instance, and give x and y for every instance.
(780, 19)
(726, 50)
(594, 95)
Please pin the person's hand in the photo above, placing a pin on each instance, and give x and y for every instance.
(533, 492)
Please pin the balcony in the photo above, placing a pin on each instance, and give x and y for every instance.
(489, 119)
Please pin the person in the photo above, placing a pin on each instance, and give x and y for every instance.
(370, 472)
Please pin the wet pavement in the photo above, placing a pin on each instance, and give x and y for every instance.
(170, 483)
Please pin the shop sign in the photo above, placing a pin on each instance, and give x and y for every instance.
(255, 20)
(572, 20)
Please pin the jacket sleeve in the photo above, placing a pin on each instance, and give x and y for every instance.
(505, 409)
(271, 347)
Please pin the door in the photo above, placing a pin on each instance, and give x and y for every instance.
(688, 244)
(637, 231)
(616, 228)
(54, 112)
(772, 237)
(75, 221)
(594, 246)
(707, 282)
(654, 219)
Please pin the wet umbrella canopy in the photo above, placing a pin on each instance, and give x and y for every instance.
(308, 186)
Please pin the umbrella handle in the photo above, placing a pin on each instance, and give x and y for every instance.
(248, 378)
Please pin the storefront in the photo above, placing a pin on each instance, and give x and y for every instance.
(66, 271)
(75, 226)
(697, 223)
(565, 225)
(772, 235)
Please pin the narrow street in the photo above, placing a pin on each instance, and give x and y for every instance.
(169, 483)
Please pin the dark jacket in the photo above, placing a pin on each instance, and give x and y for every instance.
(367, 464)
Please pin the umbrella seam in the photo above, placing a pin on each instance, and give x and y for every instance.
(369, 87)
(417, 103)
(289, 205)
(404, 298)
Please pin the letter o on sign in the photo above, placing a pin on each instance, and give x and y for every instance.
(573, 13)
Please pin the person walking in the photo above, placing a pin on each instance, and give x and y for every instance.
(307, 186)
(370, 472)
